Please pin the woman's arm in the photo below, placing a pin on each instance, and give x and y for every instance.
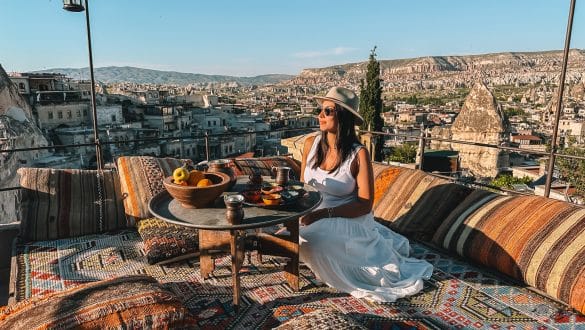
(306, 149)
(365, 193)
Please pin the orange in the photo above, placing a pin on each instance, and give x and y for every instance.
(194, 177)
(204, 183)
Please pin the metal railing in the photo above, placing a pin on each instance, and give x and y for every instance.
(422, 139)
(206, 137)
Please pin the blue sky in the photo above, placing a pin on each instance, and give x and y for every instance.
(252, 37)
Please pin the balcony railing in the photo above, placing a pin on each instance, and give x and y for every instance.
(422, 142)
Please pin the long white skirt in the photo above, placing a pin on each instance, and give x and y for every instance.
(363, 258)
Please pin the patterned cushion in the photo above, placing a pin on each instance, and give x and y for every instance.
(165, 242)
(412, 202)
(324, 319)
(247, 166)
(537, 240)
(141, 178)
(130, 302)
(57, 203)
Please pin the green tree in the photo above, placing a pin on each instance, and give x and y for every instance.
(572, 170)
(507, 180)
(405, 153)
(371, 101)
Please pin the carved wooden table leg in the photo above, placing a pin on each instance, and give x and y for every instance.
(211, 240)
(291, 270)
(237, 253)
(284, 246)
(206, 263)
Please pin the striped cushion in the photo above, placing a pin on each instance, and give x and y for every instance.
(412, 202)
(131, 302)
(59, 203)
(141, 178)
(537, 240)
(247, 166)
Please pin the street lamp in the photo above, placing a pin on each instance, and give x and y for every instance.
(77, 6)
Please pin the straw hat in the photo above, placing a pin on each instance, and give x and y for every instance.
(345, 98)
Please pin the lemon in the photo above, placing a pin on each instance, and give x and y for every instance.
(180, 174)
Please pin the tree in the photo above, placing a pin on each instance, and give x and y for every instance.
(371, 101)
(571, 169)
(507, 180)
(405, 153)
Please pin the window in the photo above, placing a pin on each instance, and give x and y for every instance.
(50, 114)
(78, 113)
(114, 118)
(60, 115)
(84, 113)
(69, 115)
(21, 86)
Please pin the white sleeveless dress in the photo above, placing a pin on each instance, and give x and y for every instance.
(358, 256)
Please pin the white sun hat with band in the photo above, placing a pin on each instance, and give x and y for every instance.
(344, 97)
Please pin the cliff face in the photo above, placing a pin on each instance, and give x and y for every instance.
(17, 130)
(457, 71)
(480, 120)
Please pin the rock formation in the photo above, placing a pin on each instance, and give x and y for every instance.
(443, 72)
(480, 120)
(17, 130)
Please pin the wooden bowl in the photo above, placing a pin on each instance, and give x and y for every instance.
(192, 197)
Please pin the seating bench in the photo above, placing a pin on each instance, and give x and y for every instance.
(491, 254)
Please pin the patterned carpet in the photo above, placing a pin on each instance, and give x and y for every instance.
(457, 295)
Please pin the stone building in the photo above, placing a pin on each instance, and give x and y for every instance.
(480, 120)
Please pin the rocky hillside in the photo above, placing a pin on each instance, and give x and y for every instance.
(17, 130)
(434, 72)
(113, 74)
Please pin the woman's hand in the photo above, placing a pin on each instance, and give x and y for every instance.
(308, 219)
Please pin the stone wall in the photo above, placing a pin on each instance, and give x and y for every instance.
(17, 130)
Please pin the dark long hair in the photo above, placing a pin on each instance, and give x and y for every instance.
(346, 138)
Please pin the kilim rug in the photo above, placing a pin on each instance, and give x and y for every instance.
(457, 295)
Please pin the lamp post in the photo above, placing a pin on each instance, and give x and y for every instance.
(77, 6)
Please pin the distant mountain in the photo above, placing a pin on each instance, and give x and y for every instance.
(111, 74)
(436, 72)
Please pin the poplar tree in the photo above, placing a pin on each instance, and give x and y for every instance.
(371, 101)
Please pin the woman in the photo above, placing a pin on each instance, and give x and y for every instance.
(340, 241)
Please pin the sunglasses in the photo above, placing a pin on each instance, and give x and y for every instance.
(329, 111)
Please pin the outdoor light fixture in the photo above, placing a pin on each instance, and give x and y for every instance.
(73, 5)
(77, 6)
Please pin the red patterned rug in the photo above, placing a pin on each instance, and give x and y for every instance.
(457, 296)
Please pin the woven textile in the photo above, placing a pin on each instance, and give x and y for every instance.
(247, 166)
(322, 319)
(457, 295)
(141, 178)
(133, 302)
(537, 240)
(412, 202)
(165, 242)
(58, 203)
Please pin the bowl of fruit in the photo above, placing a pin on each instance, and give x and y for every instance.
(196, 189)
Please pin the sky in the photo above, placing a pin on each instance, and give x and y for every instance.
(254, 37)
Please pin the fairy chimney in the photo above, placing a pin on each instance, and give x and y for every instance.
(480, 120)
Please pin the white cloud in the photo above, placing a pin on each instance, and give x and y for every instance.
(327, 52)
